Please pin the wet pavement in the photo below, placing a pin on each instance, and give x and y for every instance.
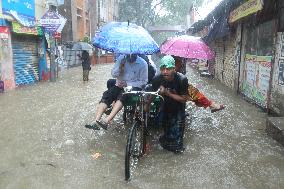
(44, 144)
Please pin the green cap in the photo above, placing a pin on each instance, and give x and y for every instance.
(167, 62)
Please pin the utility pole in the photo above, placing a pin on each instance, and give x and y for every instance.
(52, 21)
(52, 51)
(98, 24)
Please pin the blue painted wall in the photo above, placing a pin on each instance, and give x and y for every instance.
(42, 64)
(24, 7)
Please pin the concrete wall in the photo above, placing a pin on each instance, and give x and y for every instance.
(277, 92)
(0, 8)
(227, 52)
(66, 11)
(108, 11)
(78, 24)
(73, 17)
(40, 8)
(6, 61)
(93, 17)
(81, 19)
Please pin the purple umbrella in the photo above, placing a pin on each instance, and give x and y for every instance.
(187, 47)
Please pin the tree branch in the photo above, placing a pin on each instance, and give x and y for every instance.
(157, 4)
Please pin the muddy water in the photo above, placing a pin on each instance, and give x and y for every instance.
(43, 142)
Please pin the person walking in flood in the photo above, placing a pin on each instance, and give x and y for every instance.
(86, 64)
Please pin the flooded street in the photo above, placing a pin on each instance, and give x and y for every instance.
(44, 144)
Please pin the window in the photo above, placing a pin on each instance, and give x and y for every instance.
(260, 39)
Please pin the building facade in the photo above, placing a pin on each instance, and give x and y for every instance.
(23, 57)
(107, 11)
(78, 25)
(248, 41)
(85, 17)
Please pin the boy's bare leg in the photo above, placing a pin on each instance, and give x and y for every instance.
(100, 110)
(116, 108)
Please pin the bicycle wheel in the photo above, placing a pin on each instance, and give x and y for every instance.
(128, 114)
(134, 148)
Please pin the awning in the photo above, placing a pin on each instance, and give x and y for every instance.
(220, 29)
(3, 19)
(27, 21)
(2, 22)
(222, 9)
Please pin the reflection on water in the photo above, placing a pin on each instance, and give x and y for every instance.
(43, 142)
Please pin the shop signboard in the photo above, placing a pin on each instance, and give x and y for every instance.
(55, 2)
(23, 11)
(249, 7)
(256, 76)
(50, 21)
(25, 7)
(18, 28)
(62, 23)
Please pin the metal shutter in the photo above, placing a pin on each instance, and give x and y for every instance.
(25, 58)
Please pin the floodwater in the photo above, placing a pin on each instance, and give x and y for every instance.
(44, 144)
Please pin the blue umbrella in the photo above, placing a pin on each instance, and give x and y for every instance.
(125, 38)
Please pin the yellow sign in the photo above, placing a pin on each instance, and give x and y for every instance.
(17, 28)
(250, 7)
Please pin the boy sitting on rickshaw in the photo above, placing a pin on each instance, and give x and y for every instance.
(129, 70)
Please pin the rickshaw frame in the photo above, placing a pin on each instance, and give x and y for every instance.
(135, 114)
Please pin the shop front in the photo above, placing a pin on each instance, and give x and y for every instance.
(258, 21)
(7, 79)
(276, 103)
(257, 61)
(22, 59)
(27, 48)
(224, 40)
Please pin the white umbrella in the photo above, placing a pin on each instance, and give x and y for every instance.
(82, 46)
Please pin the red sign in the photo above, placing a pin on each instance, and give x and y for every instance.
(57, 35)
(4, 32)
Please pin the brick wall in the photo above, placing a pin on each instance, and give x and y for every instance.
(102, 59)
(226, 59)
(277, 91)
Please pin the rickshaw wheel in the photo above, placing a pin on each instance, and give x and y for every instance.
(135, 148)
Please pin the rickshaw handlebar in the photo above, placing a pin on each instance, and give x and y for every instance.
(143, 93)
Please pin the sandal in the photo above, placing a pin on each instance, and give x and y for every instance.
(102, 124)
(218, 109)
(93, 126)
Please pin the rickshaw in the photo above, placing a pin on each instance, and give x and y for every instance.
(140, 120)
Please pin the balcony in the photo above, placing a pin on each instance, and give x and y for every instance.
(79, 12)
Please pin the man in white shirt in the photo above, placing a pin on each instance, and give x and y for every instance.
(129, 70)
